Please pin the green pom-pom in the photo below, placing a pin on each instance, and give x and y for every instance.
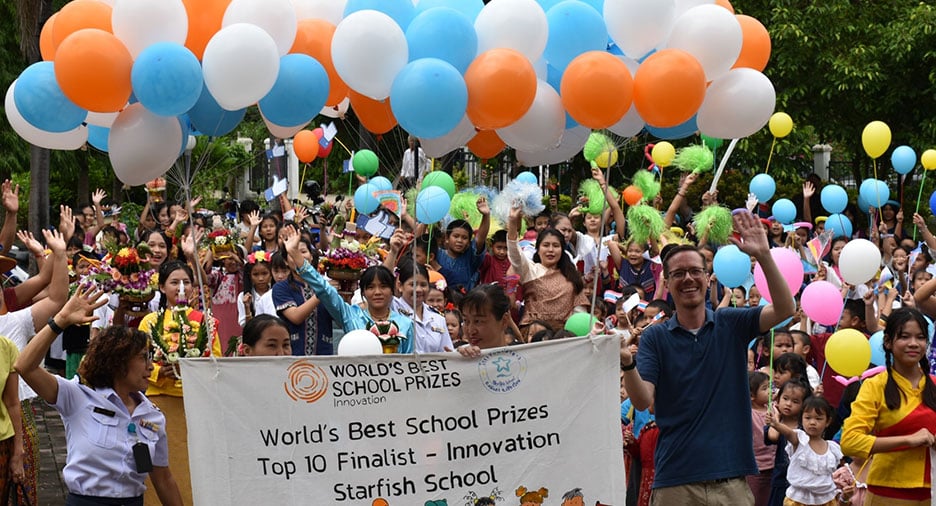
(410, 196)
(648, 184)
(466, 203)
(644, 222)
(597, 144)
(696, 158)
(591, 196)
(715, 223)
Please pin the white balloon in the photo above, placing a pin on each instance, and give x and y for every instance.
(859, 261)
(329, 10)
(276, 17)
(684, 5)
(541, 127)
(283, 132)
(458, 137)
(103, 119)
(630, 125)
(336, 111)
(639, 26)
(515, 24)
(710, 33)
(541, 67)
(139, 23)
(70, 140)
(573, 140)
(240, 65)
(359, 342)
(368, 50)
(737, 105)
(143, 146)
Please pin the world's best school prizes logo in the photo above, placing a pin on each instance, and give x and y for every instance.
(503, 371)
(305, 381)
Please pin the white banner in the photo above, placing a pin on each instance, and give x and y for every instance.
(401, 430)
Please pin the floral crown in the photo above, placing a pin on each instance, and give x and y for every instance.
(258, 256)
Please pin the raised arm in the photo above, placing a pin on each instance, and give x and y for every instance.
(772, 420)
(809, 190)
(58, 286)
(928, 236)
(617, 214)
(10, 199)
(679, 199)
(96, 198)
(924, 298)
(485, 226)
(27, 290)
(754, 243)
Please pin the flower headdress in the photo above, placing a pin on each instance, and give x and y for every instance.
(258, 256)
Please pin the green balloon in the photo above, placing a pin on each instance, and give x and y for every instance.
(365, 163)
(580, 324)
(440, 179)
(713, 143)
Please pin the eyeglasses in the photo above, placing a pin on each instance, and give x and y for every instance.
(696, 273)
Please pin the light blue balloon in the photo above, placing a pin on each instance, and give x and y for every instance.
(429, 97)
(432, 204)
(875, 192)
(527, 177)
(299, 93)
(687, 129)
(469, 8)
(97, 137)
(364, 200)
(211, 119)
(574, 28)
(784, 210)
(763, 186)
(731, 266)
(41, 102)
(554, 79)
(903, 158)
(784, 323)
(877, 347)
(402, 11)
(834, 198)
(381, 183)
(443, 33)
(167, 78)
(840, 226)
(598, 5)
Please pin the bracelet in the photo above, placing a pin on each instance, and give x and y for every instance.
(681, 194)
(54, 326)
(630, 366)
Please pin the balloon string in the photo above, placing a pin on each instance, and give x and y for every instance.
(919, 195)
(770, 372)
(350, 181)
(336, 139)
(877, 190)
(770, 156)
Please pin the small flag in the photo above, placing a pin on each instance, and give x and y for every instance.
(612, 297)
(642, 306)
(631, 303)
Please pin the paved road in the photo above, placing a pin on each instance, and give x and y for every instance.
(51, 454)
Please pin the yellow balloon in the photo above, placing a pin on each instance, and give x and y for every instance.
(876, 138)
(663, 153)
(848, 352)
(928, 159)
(781, 124)
(606, 158)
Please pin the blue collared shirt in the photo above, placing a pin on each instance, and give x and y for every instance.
(100, 457)
(702, 401)
(432, 335)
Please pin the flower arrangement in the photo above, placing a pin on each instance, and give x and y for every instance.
(179, 332)
(155, 189)
(222, 243)
(351, 255)
(258, 256)
(388, 333)
(126, 272)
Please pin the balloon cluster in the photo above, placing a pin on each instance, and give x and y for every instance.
(144, 74)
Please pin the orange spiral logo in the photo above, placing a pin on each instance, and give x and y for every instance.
(306, 382)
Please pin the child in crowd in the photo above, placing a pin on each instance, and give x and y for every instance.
(464, 250)
(495, 265)
(802, 346)
(789, 404)
(453, 322)
(760, 483)
(257, 297)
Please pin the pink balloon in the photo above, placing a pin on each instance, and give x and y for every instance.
(790, 266)
(822, 302)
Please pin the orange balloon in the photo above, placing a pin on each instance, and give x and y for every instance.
(375, 115)
(80, 14)
(501, 88)
(46, 44)
(632, 195)
(314, 38)
(669, 88)
(755, 45)
(597, 89)
(204, 20)
(306, 145)
(486, 144)
(726, 4)
(93, 69)
(380, 501)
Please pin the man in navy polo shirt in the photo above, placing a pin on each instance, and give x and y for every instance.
(693, 369)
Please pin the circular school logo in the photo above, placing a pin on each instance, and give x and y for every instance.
(305, 381)
(503, 371)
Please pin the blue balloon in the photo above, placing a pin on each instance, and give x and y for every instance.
(763, 186)
(402, 11)
(598, 5)
(877, 347)
(167, 78)
(364, 200)
(784, 323)
(299, 93)
(834, 198)
(97, 137)
(554, 78)
(211, 119)
(381, 183)
(933, 202)
(687, 129)
(840, 226)
(574, 28)
(443, 33)
(732, 267)
(903, 158)
(784, 210)
(527, 177)
(469, 8)
(41, 102)
(432, 204)
(874, 192)
(429, 97)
